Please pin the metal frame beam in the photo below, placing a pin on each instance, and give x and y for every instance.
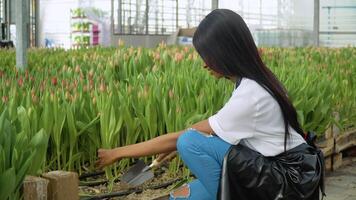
(338, 32)
(8, 18)
(37, 23)
(316, 24)
(214, 4)
(21, 33)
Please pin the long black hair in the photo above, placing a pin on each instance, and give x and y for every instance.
(225, 43)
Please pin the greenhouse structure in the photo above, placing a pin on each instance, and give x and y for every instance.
(177, 99)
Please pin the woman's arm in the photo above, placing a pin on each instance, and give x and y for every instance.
(161, 144)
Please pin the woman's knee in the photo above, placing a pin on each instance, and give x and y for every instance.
(187, 140)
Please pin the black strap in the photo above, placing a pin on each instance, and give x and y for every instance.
(322, 181)
(310, 137)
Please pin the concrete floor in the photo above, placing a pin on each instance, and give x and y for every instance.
(341, 184)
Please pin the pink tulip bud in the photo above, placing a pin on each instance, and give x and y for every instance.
(186, 49)
(178, 57)
(170, 94)
(20, 82)
(91, 74)
(131, 50)
(178, 110)
(154, 68)
(42, 86)
(34, 98)
(91, 83)
(260, 51)
(77, 69)
(102, 87)
(5, 99)
(75, 83)
(52, 96)
(67, 95)
(26, 74)
(64, 83)
(54, 81)
(7, 82)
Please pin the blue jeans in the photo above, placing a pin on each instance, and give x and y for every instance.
(204, 156)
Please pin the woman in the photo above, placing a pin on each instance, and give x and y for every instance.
(259, 115)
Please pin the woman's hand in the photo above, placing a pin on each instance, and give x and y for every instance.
(163, 157)
(106, 157)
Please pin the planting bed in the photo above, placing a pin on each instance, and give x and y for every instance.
(68, 103)
(159, 186)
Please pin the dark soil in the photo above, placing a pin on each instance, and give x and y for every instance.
(143, 192)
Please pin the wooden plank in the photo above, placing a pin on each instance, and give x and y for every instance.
(328, 163)
(337, 162)
(62, 185)
(328, 133)
(327, 146)
(334, 146)
(345, 141)
(35, 188)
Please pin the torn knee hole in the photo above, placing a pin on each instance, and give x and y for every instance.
(182, 192)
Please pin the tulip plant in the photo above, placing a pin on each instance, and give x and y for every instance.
(22, 151)
(72, 102)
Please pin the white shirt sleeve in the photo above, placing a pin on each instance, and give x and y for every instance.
(237, 119)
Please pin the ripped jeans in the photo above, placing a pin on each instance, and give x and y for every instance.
(203, 154)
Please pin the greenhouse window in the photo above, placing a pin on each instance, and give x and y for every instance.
(157, 17)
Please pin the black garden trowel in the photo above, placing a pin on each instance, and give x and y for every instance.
(140, 172)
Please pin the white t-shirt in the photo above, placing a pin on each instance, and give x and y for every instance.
(254, 118)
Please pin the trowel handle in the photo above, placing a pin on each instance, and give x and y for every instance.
(156, 162)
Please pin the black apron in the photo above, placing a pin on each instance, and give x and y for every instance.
(294, 174)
